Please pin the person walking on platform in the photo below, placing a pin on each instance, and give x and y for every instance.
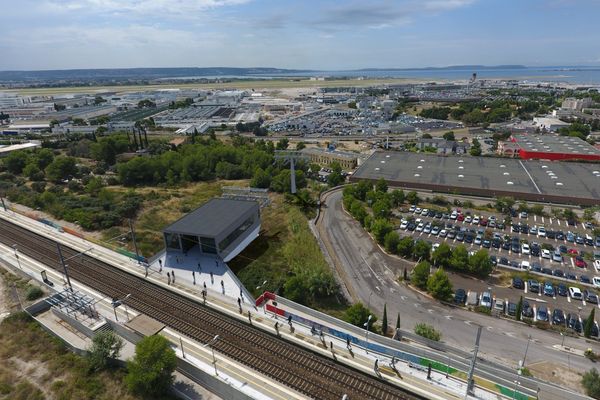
(212, 279)
(199, 267)
(159, 265)
(168, 278)
(173, 273)
(194, 277)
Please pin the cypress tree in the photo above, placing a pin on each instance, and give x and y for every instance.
(519, 309)
(384, 321)
(589, 323)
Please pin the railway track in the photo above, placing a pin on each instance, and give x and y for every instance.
(300, 369)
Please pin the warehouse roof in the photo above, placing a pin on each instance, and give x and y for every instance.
(555, 144)
(535, 180)
(212, 218)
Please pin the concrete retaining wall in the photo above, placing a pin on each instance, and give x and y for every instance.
(210, 382)
(74, 323)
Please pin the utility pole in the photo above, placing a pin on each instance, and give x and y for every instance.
(526, 349)
(62, 261)
(472, 368)
(3, 205)
(137, 254)
(291, 157)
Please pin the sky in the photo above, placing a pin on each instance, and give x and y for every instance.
(302, 34)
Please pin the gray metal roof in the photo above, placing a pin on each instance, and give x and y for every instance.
(568, 179)
(212, 218)
(555, 144)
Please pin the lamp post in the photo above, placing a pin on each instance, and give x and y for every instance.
(517, 383)
(562, 343)
(367, 332)
(526, 349)
(211, 345)
(17, 256)
(369, 300)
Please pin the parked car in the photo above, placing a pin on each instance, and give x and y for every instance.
(460, 296)
(561, 290)
(533, 286)
(590, 296)
(527, 310)
(556, 256)
(575, 293)
(549, 289)
(525, 249)
(584, 279)
(597, 265)
(435, 230)
(542, 314)
(546, 253)
(558, 272)
(499, 305)
(472, 299)
(596, 281)
(511, 309)
(404, 224)
(541, 231)
(503, 261)
(574, 323)
(558, 317)
(579, 262)
(486, 300)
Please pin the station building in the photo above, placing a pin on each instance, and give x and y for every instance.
(221, 227)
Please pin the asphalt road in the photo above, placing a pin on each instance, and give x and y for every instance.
(370, 276)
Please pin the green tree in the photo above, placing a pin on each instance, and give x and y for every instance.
(519, 309)
(384, 321)
(591, 383)
(391, 241)
(32, 171)
(295, 289)
(422, 250)
(105, 345)
(44, 158)
(381, 186)
(589, 324)
(16, 161)
(449, 135)
(335, 179)
(442, 255)
(357, 210)
(397, 197)
(420, 274)
(261, 179)
(412, 197)
(382, 208)
(61, 168)
(150, 373)
(460, 258)
(480, 264)
(406, 247)
(398, 321)
(357, 314)
(300, 146)
(439, 285)
(380, 228)
(282, 144)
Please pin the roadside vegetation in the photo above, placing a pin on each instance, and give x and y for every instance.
(37, 366)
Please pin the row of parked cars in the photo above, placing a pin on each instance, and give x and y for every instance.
(571, 237)
(538, 313)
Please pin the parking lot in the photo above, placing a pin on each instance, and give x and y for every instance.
(520, 248)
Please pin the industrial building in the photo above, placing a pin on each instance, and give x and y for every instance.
(545, 181)
(221, 227)
(554, 147)
(325, 157)
(6, 150)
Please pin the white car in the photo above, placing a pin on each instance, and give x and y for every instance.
(541, 231)
(443, 233)
(468, 219)
(597, 265)
(596, 281)
(418, 210)
(404, 224)
(475, 220)
(424, 212)
(453, 215)
(546, 254)
(525, 265)
(525, 249)
(412, 208)
(420, 227)
(575, 293)
(435, 230)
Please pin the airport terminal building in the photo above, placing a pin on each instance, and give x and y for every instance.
(221, 227)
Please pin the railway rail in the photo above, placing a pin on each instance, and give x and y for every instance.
(300, 369)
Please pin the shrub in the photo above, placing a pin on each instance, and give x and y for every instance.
(105, 345)
(33, 293)
(591, 383)
(420, 274)
(151, 370)
(428, 332)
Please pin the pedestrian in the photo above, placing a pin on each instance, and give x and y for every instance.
(239, 302)
(173, 273)
(194, 277)
(217, 263)
(204, 285)
(212, 279)
(199, 267)
(376, 367)
(290, 320)
(348, 342)
(159, 265)
(168, 278)
(223, 286)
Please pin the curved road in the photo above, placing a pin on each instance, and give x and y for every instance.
(369, 275)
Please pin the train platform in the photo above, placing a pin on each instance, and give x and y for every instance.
(412, 375)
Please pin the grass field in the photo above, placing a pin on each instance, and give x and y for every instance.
(242, 84)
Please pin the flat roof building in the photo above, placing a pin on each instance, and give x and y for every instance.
(6, 150)
(545, 181)
(326, 157)
(554, 147)
(221, 227)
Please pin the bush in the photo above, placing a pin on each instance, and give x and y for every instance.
(105, 345)
(591, 383)
(428, 332)
(439, 286)
(358, 315)
(33, 293)
(420, 274)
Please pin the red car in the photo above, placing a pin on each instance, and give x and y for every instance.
(460, 217)
(573, 251)
(483, 222)
(580, 263)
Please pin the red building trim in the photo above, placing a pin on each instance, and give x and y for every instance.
(530, 155)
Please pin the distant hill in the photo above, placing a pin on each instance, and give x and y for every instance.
(136, 73)
(450, 67)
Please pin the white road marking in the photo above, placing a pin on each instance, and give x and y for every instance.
(468, 322)
(449, 317)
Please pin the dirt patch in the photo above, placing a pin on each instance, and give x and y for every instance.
(557, 373)
(5, 305)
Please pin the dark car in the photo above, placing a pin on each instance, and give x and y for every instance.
(562, 248)
(496, 243)
(511, 309)
(547, 271)
(561, 290)
(533, 286)
(469, 238)
(515, 248)
(515, 228)
(439, 215)
(595, 329)
(518, 283)
(536, 267)
(411, 226)
(550, 234)
(499, 225)
(558, 317)
(494, 260)
(527, 310)
(506, 246)
(542, 314)
(515, 264)
(431, 213)
(590, 296)
(560, 235)
(486, 244)
(460, 297)
(571, 276)
(460, 236)
(559, 273)
(573, 323)
(535, 251)
(524, 229)
(584, 279)
(503, 261)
